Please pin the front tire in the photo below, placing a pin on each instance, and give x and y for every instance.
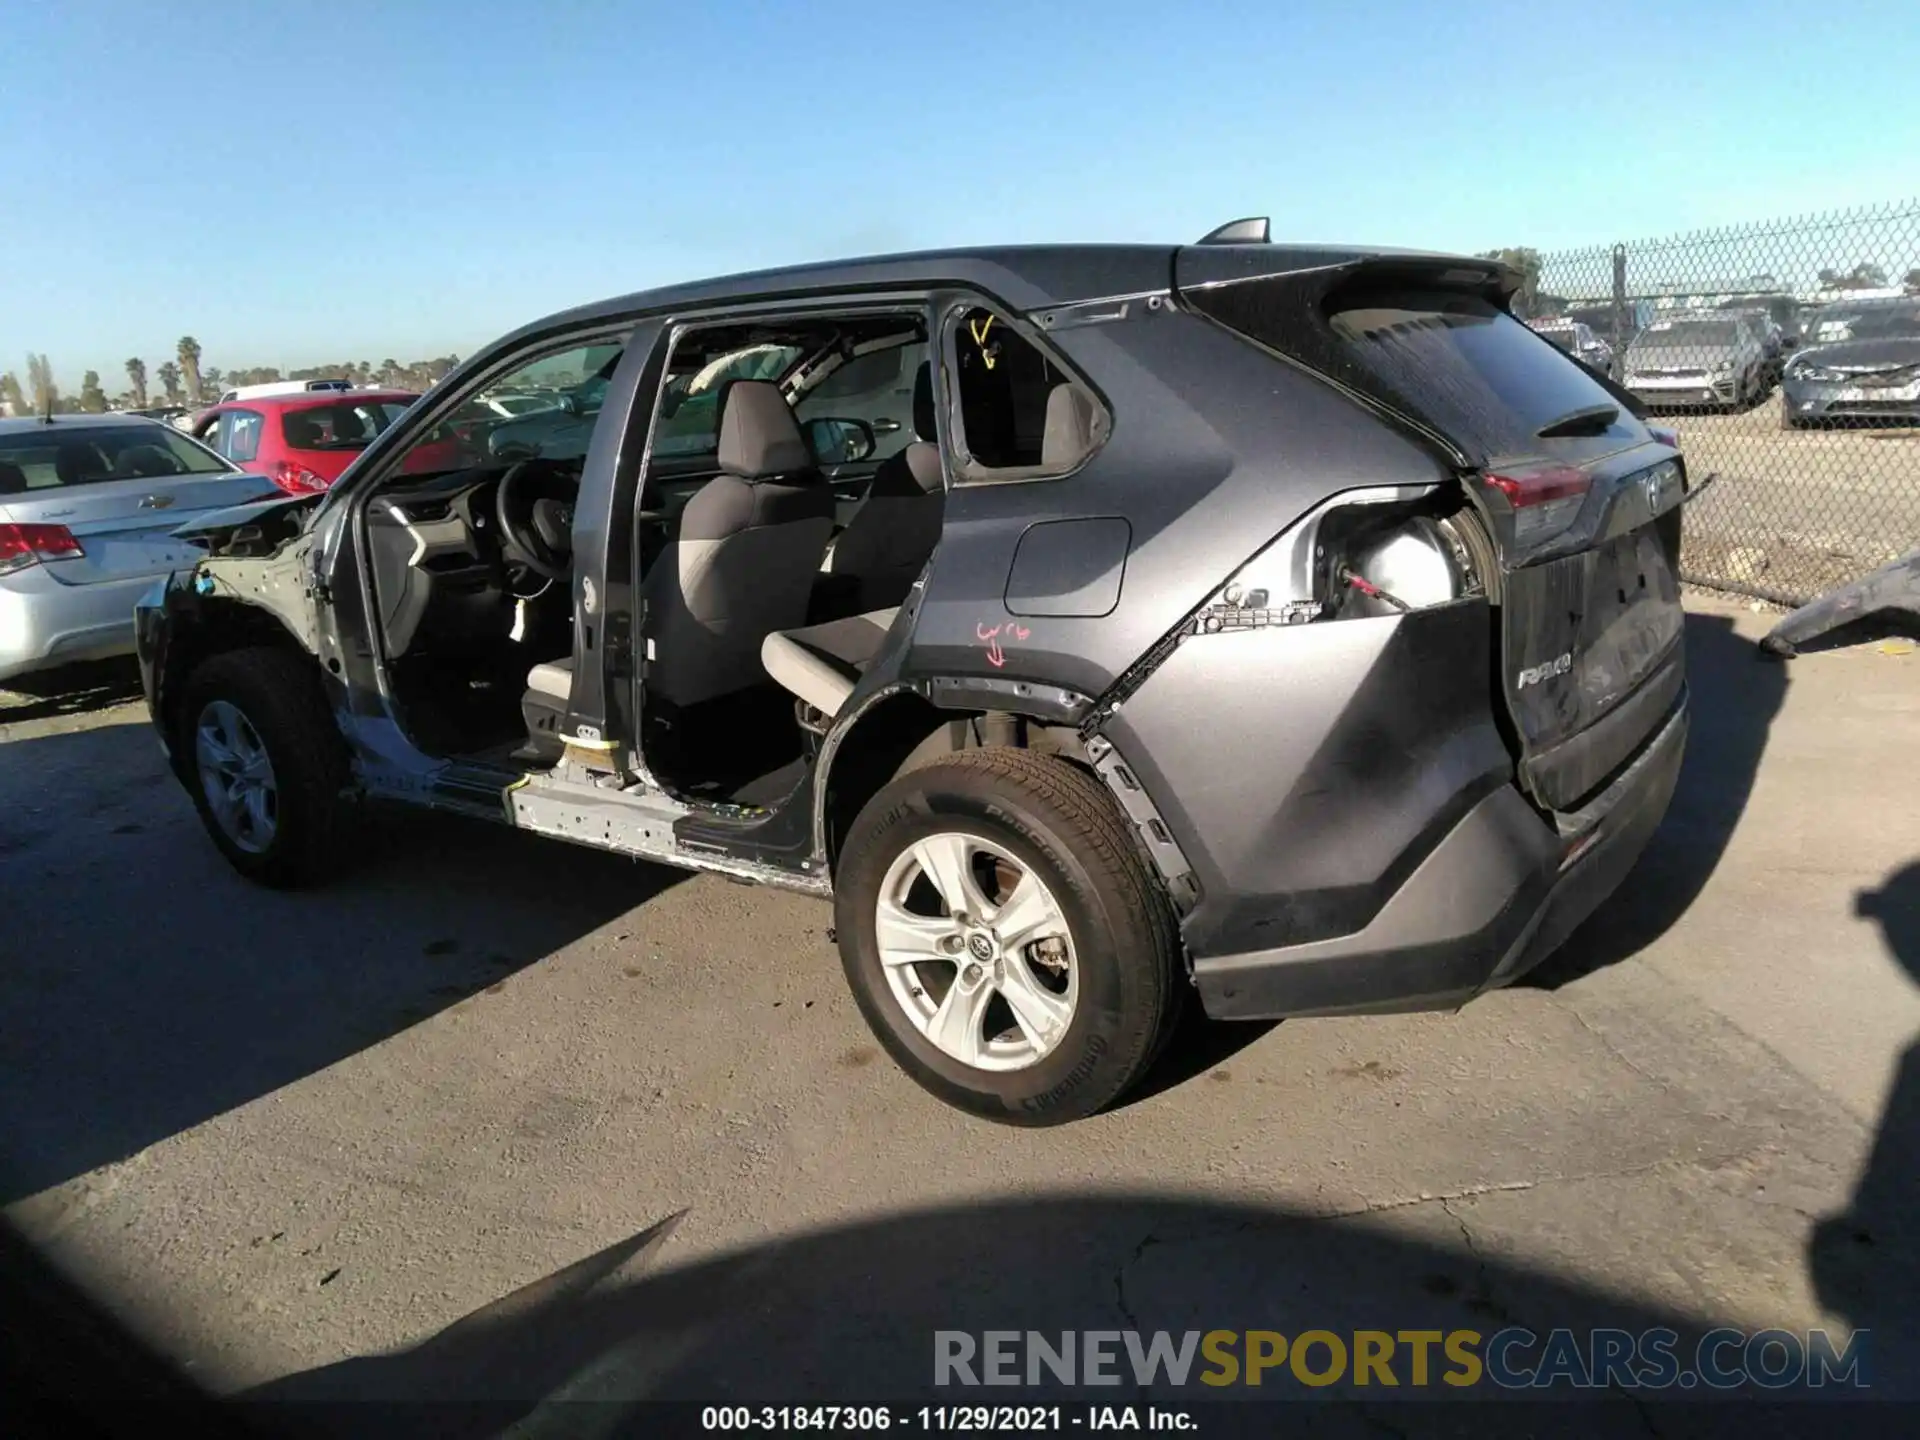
(266, 766)
(1005, 939)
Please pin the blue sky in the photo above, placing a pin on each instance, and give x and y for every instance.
(297, 183)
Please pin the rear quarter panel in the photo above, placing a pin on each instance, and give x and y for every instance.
(1216, 448)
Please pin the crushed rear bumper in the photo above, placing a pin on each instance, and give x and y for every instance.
(1498, 894)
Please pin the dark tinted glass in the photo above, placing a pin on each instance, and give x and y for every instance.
(97, 453)
(350, 425)
(1472, 370)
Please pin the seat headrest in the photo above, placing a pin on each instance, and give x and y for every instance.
(758, 434)
(146, 461)
(914, 472)
(923, 426)
(13, 480)
(1069, 432)
(78, 462)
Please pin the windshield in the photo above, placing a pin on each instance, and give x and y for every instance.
(1663, 334)
(690, 405)
(1879, 322)
(55, 455)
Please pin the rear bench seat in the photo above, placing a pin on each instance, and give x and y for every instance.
(822, 663)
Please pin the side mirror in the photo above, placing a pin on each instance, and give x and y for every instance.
(836, 441)
(570, 403)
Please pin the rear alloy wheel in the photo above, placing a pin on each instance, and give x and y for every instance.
(266, 765)
(1005, 939)
(977, 951)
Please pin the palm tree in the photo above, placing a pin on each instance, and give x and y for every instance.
(169, 377)
(190, 366)
(137, 373)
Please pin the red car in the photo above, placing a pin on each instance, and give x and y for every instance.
(303, 442)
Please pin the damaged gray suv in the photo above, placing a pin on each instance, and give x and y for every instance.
(1098, 627)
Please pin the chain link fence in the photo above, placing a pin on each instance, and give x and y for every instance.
(1787, 355)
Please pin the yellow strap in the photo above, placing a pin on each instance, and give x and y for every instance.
(979, 333)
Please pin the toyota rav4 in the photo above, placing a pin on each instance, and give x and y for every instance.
(1097, 626)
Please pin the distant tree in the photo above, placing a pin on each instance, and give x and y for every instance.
(213, 381)
(93, 399)
(363, 373)
(1864, 276)
(11, 395)
(391, 373)
(137, 373)
(46, 394)
(189, 351)
(1912, 279)
(1526, 260)
(169, 377)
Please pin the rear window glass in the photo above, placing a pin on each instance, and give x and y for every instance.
(1006, 388)
(346, 426)
(1562, 339)
(47, 459)
(1473, 371)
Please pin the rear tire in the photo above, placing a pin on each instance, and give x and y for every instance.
(266, 766)
(1012, 817)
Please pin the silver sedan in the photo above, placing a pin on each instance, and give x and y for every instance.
(87, 507)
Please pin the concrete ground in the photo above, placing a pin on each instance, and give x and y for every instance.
(1796, 512)
(429, 1131)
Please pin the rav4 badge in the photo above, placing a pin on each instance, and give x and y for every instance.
(1534, 674)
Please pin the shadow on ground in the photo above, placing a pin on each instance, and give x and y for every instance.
(1865, 1263)
(162, 990)
(71, 690)
(854, 1312)
(850, 1316)
(1736, 693)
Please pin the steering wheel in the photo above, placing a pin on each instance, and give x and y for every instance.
(536, 530)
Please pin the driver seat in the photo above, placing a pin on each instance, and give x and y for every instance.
(746, 556)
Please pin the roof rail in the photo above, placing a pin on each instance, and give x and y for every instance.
(1254, 230)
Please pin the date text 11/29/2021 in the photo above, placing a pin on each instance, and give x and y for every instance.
(990, 1419)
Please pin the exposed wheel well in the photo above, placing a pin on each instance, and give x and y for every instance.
(214, 626)
(904, 732)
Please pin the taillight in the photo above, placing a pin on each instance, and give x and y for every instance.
(1545, 500)
(296, 479)
(24, 545)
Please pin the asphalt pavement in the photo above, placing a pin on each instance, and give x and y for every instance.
(493, 1110)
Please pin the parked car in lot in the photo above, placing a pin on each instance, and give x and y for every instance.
(1862, 362)
(303, 440)
(269, 388)
(1634, 316)
(1699, 359)
(1786, 313)
(88, 504)
(1423, 564)
(1578, 341)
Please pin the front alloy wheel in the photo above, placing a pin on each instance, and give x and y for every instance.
(236, 774)
(259, 750)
